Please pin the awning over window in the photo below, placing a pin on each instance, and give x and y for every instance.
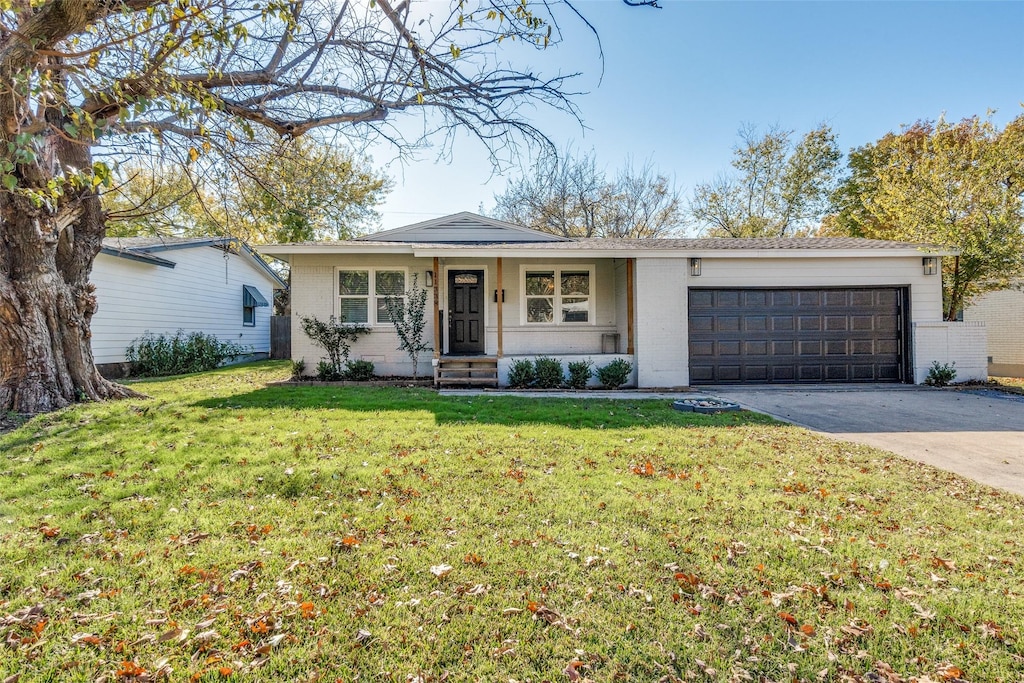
(252, 297)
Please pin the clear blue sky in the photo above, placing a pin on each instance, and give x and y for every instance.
(680, 81)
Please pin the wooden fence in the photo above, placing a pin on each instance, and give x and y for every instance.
(281, 337)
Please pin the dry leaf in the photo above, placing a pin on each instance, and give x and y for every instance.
(441, 570)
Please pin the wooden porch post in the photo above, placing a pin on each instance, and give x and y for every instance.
(500, 296)
(437, 308)
(630, 305)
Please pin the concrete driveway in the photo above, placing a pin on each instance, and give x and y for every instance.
(975, 433)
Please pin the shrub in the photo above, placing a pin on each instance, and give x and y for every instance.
(521, 374)
(940, 375)
(548, 373)
(334, 336)
(579, 373)
(298, 369)
(410, 321)
(615, 374)
(358, 370)
(326, 372)
(158, 355)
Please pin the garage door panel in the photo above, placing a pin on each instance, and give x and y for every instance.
(729, 348)
(700, 299)
(755, 348)
(702, 348)
(810, 322)
(795, 335)
(783, 323)
(755, 323)
(728, 323)
(810, 348)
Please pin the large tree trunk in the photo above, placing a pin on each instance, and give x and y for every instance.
(46, 305)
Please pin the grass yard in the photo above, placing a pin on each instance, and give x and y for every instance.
(225, 530)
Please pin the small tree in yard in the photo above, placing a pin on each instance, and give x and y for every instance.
(409, 316)
(335, 337)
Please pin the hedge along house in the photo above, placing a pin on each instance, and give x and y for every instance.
(682, 311)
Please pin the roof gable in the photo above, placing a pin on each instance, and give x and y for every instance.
(142, 249)
(465, 228)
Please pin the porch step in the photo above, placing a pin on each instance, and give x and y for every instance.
(474, 371)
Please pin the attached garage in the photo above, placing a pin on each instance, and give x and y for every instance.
(792, 335)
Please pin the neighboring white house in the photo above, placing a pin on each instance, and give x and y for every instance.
(215, 285)
(1003, 315)
(682, 311)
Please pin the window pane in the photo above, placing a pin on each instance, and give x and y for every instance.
(540, 310)
(390, 282)
(575, 310)
(575, 283)
(353, 311)
(540, 283)
(466, 279)
(382, 310)
(353, 282)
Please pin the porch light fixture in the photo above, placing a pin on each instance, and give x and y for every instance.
(695, 267)
(428, 278)
(931, 265)
(502, 296)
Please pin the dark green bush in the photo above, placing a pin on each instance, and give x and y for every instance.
(939, 375)
(615, 374)
(521, 374)
(326, 372)
(358, 370)
(548, 373)
(579, 373)
(298, 369)
(154, 355)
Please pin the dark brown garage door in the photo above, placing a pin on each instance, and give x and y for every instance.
(796, 335)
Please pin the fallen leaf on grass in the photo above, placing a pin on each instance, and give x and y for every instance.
(441, 570)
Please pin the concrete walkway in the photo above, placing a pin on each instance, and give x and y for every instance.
(978, 434)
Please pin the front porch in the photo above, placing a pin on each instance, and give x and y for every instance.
(488, 312)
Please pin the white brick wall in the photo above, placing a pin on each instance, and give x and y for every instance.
(950, 342)
(661, 323)
(1003, 315)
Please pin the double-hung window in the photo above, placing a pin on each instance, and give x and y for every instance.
(558, 295)
(362, 294)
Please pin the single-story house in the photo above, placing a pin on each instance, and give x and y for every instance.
(214, 285)
(681, 311)
(1002, 313)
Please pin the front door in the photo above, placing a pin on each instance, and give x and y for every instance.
(465, 312)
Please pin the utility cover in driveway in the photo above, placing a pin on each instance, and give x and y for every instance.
(796, 335)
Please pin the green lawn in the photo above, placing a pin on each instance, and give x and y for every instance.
(222, 529)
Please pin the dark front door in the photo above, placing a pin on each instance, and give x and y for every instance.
(465, 312)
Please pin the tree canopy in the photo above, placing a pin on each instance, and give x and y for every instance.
(84, 83)
(957, 185)
(286, 190)
(780, 186)
(569, 195)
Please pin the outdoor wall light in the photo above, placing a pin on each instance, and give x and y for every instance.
(502, 296)
(695, 267)
(429, 278)
(931, 265)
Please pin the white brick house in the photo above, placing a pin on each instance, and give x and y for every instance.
(1002, 313)
(682, 311)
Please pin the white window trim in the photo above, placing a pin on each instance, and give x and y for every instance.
(372, 296)
(557, 313)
